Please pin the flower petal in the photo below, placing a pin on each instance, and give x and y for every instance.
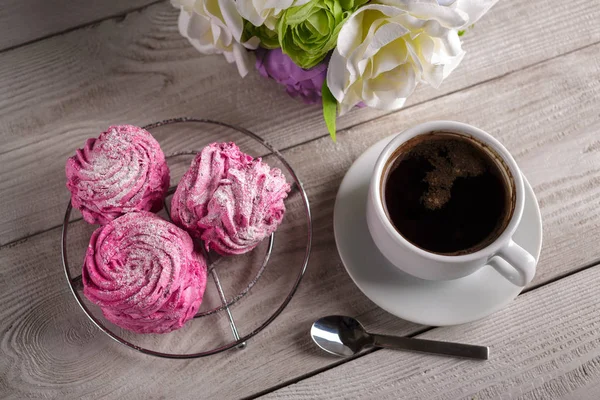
(449, 17)
(475, 9)
(195, 28)
(336, 75)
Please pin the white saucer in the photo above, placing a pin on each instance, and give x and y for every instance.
(434, 303)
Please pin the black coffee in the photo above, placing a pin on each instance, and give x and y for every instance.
(445, 194)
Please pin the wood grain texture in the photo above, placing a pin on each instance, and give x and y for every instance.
(545, 345)
(49, 349)
(25, 21)
(60, 91)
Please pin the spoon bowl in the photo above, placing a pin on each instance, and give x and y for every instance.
(340, 335)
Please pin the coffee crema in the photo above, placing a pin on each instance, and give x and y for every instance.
(447, 193)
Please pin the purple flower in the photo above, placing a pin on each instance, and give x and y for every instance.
(305, 83)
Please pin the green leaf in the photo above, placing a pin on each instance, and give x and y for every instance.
(461, 32)
(329, 109)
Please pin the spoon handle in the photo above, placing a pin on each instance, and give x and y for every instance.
(432, 346)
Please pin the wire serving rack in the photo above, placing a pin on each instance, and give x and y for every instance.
(238, 340)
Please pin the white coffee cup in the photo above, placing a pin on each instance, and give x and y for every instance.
(506, 256)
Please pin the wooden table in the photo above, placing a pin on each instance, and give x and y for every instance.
(531, 77)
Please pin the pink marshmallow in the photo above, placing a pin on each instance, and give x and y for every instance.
(144, 274)
(123, 170)
(229, 200)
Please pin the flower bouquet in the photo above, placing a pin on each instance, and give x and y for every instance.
(344, 53)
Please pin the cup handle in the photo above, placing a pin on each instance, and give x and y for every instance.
(514, 263)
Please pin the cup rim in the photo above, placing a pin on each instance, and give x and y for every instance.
(467, 130)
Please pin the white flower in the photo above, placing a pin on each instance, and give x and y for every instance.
(215, 27)
(384, 50)
(266, 12)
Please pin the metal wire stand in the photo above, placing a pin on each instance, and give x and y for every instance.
(239, 341)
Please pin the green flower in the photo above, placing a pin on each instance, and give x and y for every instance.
(307, 33)
(268, 38)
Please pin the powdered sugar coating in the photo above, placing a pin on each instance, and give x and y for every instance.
(144, 274)
(229, 200)
(123, 170)
(246, 208)
(198, 184)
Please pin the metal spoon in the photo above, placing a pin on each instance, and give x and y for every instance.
(345, 336)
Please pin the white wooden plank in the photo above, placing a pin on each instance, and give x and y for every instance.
(28, 20)
(545, 345)
(48, 347)
(59, 91)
